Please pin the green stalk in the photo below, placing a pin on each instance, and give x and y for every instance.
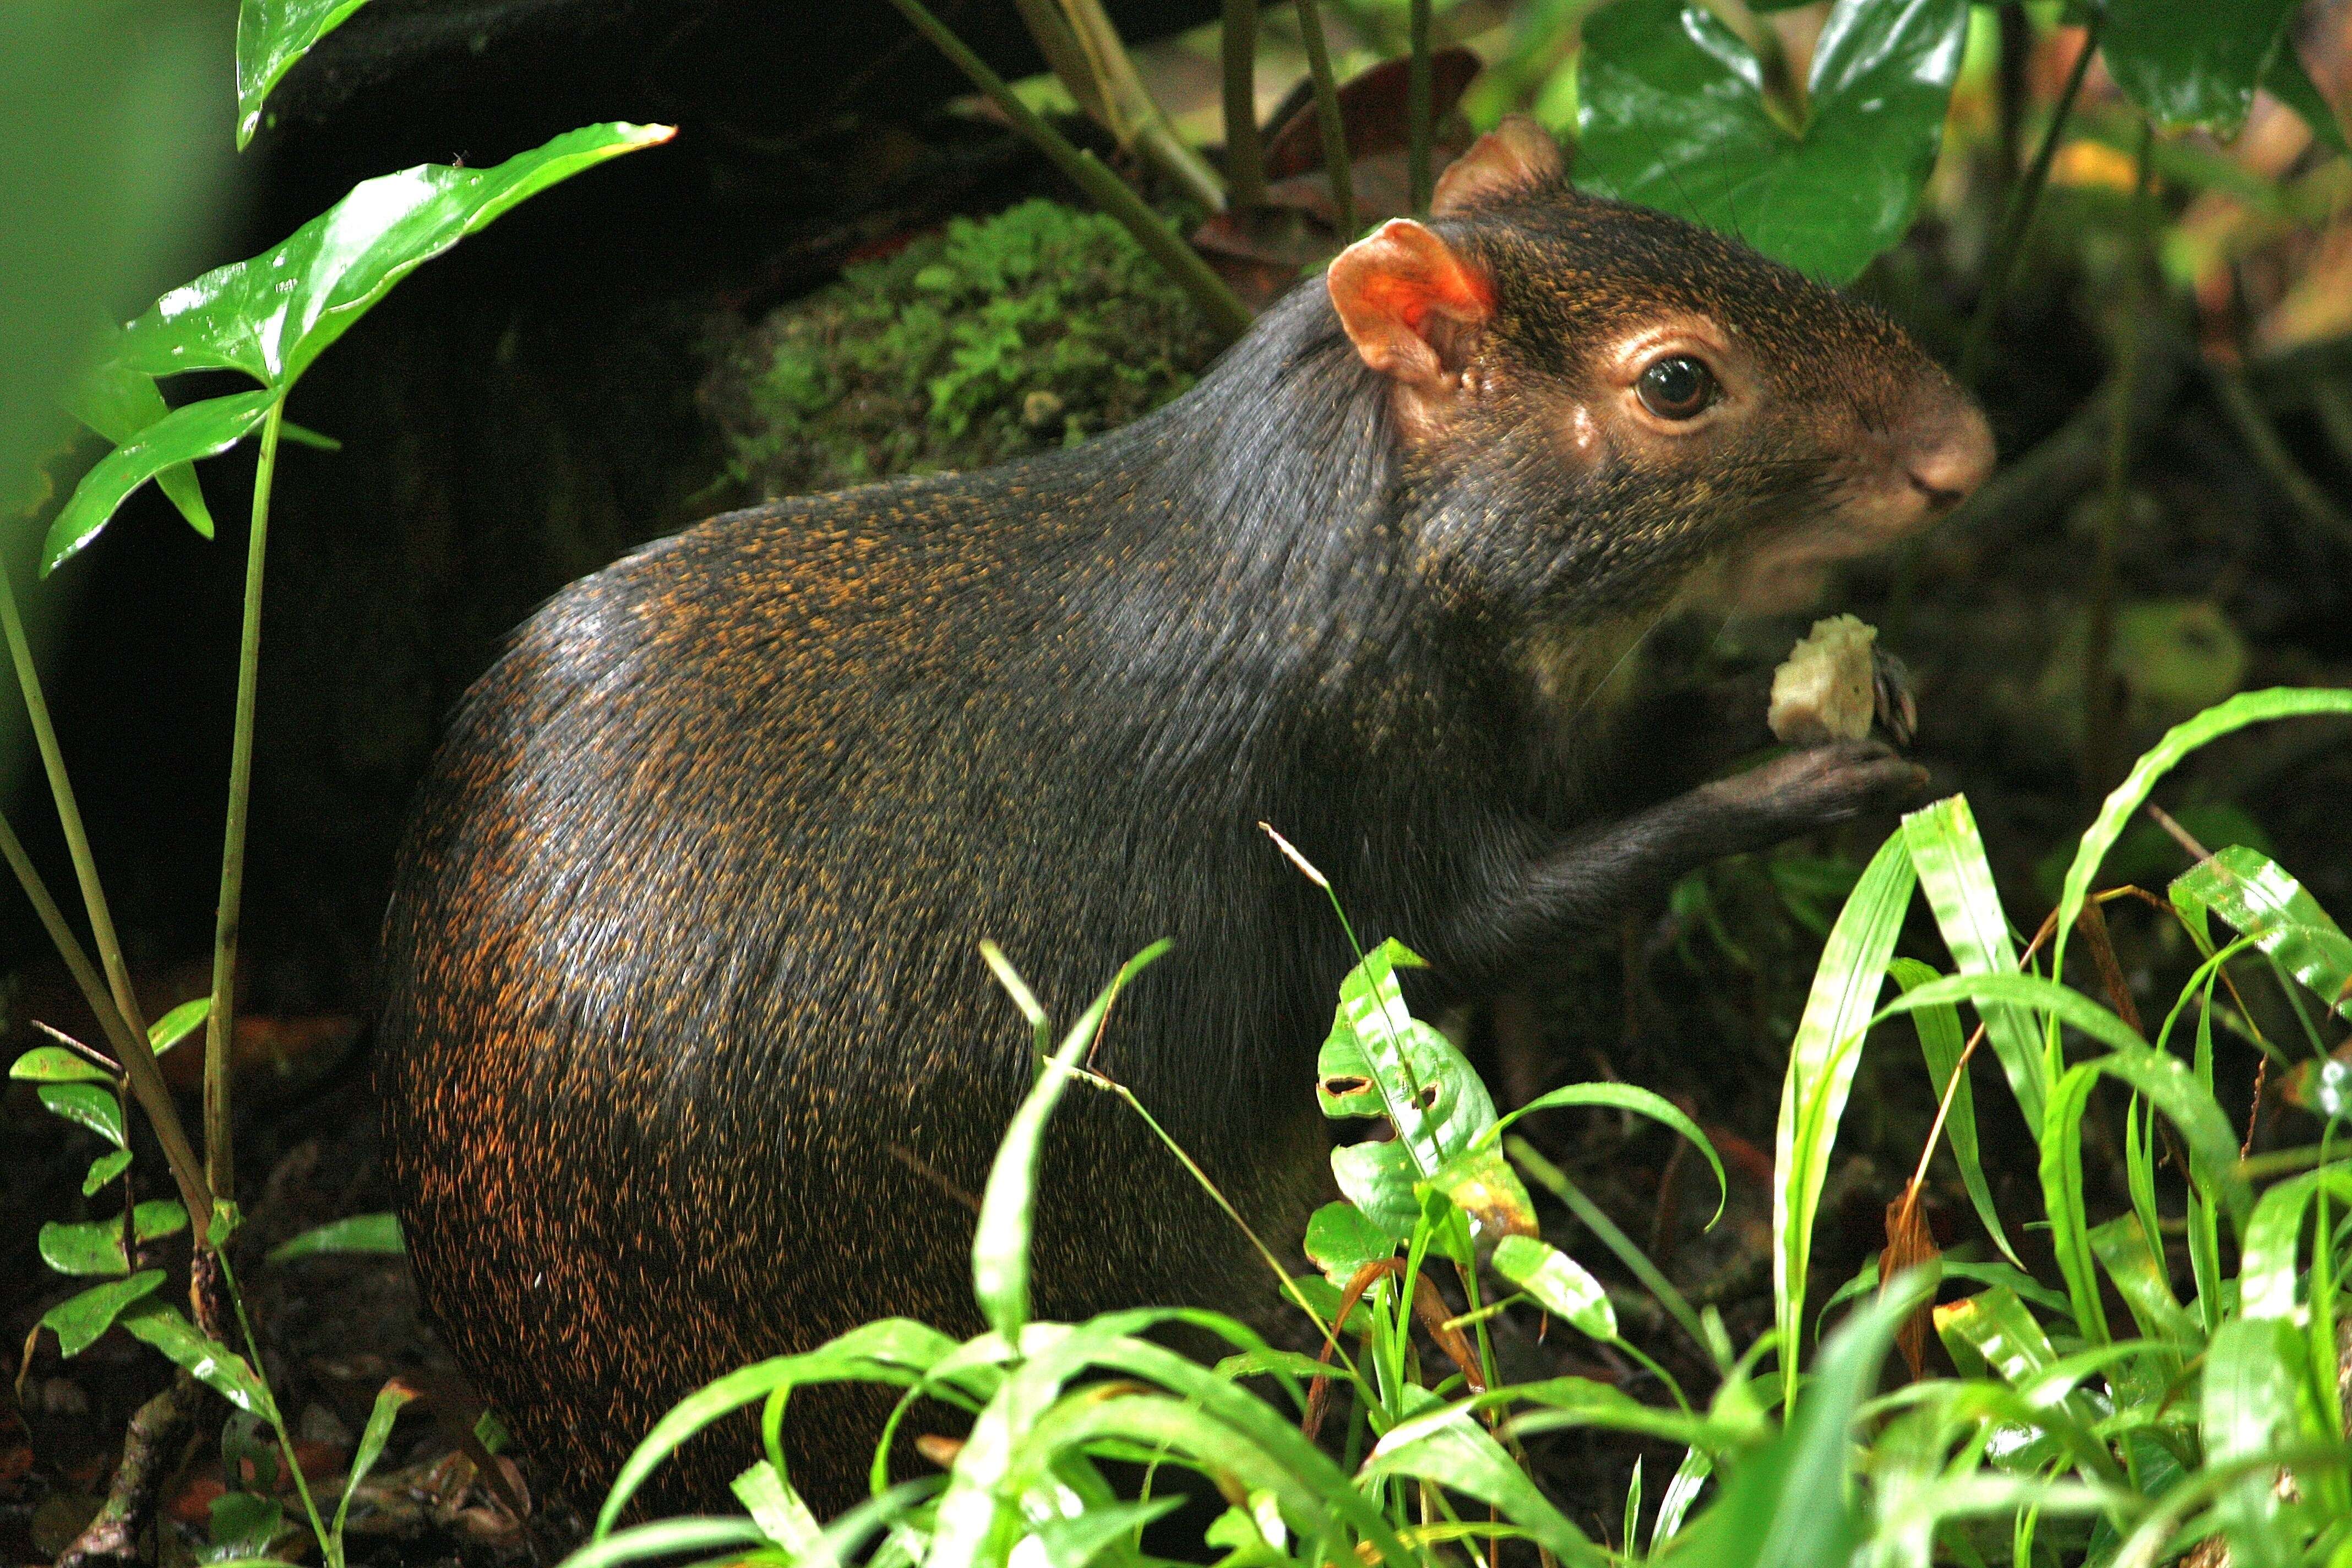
(2011, 245)
(1418, 108)
(330, 1546)
(1244, 158)
(1326, 114)
(131, 1051)
(220, 1152)
(1162, 244)
(45, 735)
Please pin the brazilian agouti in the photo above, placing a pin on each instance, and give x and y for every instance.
(688, 1057)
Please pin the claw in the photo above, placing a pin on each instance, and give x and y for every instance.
(1890, 683)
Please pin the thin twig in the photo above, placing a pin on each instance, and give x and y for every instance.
(2019, 219)
(1328, 116)
(1223, 309)
(1419, 108)
(151, 1452)
(1244, 159)
(2261, 436)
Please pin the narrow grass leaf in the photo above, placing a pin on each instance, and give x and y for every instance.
(1623, 1097)
(1461, 1456)
(2116, 814)
(2254, 1372)
(2268, 1274)
(1957, 880)
(1559, 1284)
(2257, 897)
(1000, 1246)
(390, 1400)
(1942, 1045)
(1821, 1062)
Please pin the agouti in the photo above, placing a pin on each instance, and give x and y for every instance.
(688, 1057)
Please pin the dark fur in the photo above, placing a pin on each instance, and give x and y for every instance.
(688, 1051)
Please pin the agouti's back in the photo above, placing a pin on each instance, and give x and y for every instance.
(688, 1057)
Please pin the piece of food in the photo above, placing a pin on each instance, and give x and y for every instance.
(1825, 690)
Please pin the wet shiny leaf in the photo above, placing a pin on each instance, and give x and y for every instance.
(1673, 114)
(271, 35)
(2194, 65)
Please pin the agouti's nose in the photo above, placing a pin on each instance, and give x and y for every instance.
(1947, 447)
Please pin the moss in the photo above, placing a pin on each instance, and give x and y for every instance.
(1035, 328)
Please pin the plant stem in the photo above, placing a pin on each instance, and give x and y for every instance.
(220, 1152)
(1225, 309)
(1418, 108)
(1327, 115)
(1244, 159)
(45, 735)
(2270, 452)
(330, 1546)
(132, 1052)
(2019, 219)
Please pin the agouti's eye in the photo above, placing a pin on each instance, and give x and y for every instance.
(1676, 387)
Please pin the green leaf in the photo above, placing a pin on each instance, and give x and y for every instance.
(78, 1320)
(1559, 1284)
(780, 1512)
(55, 1064)
(119, 403)
(2123, 1249)
(2268, 1274)
(2246, 707)
(1958, 881)
(1075, 1542)
(1341, 1241)
(203, 429)
(1942, 1044)
(390, 1400)
(178, 1024)
(2193, 64)
(1000, 1246)
(270, 316)
(2253, 1371)
(1672, 114)
(90, 1105)
(271, 35)
(1821, 1062)
(104, 1169)
(1787, 1506)
(1381, 1060)
(245, 1523)
(206, 1359)
(95, 1247)
(1623, 1097)
(2260, 899)
(1460, 1456)
(376, 1234)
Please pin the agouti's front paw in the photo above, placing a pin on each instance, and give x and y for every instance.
(1823, 785)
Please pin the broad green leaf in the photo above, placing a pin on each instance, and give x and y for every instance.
(1480, 1182)
(206, 1359)
(1942, 1044)
(104, 1169)
(78, 1320)
(363, 1233)
(95, 1247)
(2269, 1275)
(90, 1105)
(55, 1064)
(2117, 812)
(271, 35)
(119, 403)
(1821, 1062)
(1461, 1456)
(2194, 65)
(389, 1401)
(178, 1024)
(2256, 896)
(2285, 80)
(1341, 1241)
(1956, 879)
(245, 1523)
(270, 316)
(1622, 1097)
(1000, 1246)
(194, 430)
(2254, 1372)
(1559, 1284)
(1672, 114)
(1379, 1060)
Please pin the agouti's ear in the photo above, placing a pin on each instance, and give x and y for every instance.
(1411, 305)
(1511, 160)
